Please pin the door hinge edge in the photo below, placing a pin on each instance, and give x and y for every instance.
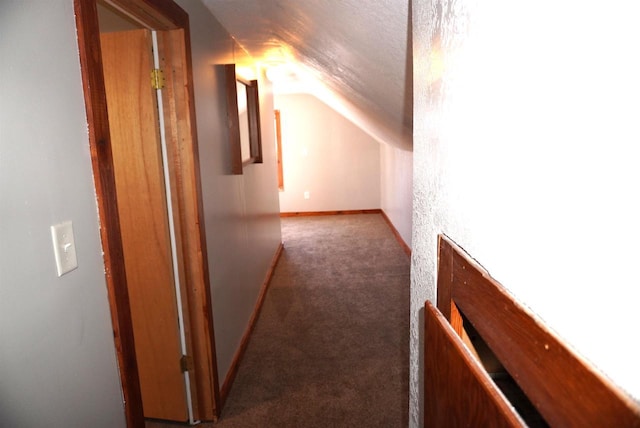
(186, 363)
(157, 78)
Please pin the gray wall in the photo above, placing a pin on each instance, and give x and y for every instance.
(57, 357)
(241, 211)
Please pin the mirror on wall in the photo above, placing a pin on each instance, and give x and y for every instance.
(245, 139)
(243, 121)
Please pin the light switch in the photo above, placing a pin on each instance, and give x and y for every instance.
(64, 247)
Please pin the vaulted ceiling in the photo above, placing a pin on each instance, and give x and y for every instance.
(353, 55)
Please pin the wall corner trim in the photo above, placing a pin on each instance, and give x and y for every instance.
(337, 212)
(395, 232)
(403, 244)
(235, 363)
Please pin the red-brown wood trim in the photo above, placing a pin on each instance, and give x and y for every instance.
(395, 232)
(319, 213)
(445, 278)
(255, 130)
(155, 14)
(457, 390)
(233, 120)
(566, 390)
(102, 163)
(276, 114)
(235, 363)
(403, 244)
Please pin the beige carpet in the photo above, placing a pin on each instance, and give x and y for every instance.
(331, 346)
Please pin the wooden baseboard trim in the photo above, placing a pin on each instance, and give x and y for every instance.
(403, 244)
(317, 213)
(235, 363)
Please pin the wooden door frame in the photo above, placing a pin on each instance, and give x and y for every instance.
(172, 24)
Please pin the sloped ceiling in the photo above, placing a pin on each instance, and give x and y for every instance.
(353, 55)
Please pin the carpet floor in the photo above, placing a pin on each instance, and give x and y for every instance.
(331, 345)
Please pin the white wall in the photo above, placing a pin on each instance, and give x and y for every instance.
(326, 155)
(241, 211)
(396, 188)
(57, 357)
(526, 148)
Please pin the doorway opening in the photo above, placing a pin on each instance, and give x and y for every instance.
(135, 59)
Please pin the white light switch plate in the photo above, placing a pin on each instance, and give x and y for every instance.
(64, 247)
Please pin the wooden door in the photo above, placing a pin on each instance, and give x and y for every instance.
(142, 208)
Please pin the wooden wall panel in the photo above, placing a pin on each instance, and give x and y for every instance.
(565, 389)
(458, 392)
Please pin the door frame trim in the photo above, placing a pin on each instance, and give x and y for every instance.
(167, 17)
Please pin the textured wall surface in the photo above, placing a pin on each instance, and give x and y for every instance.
(525, 153)
(57, 357)
(396, 188)
(327, 155)
(241, 212)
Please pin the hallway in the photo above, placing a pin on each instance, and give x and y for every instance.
(331, 345)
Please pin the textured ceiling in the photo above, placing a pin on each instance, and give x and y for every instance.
(360, 51)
